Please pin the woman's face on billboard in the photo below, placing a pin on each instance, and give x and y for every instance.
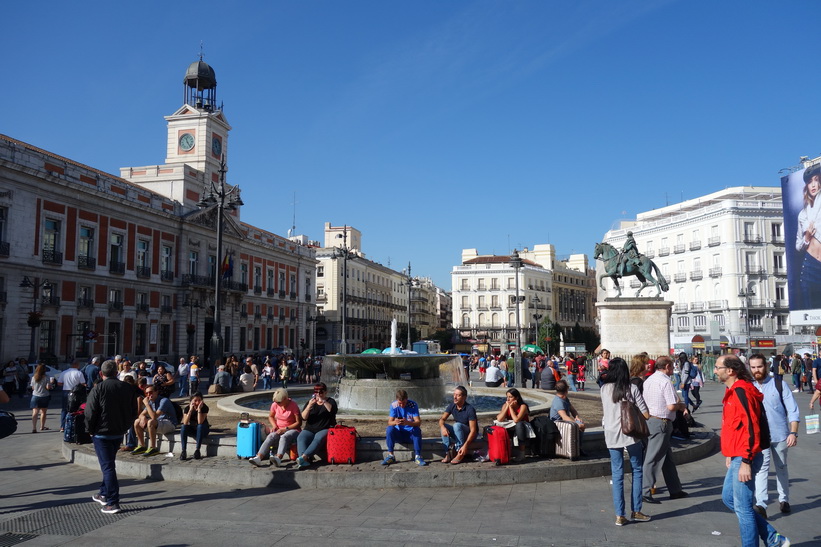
(814, 185)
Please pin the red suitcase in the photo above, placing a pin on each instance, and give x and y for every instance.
(341, 444)
(498, 444)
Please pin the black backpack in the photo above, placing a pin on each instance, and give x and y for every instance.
(76, 397)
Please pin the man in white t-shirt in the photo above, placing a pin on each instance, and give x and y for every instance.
(493, 376)
(69, 378)
(182, 375)
(127, 371)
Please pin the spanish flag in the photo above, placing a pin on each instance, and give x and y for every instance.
(228, 266)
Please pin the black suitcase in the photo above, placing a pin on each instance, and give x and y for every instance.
(546, 435)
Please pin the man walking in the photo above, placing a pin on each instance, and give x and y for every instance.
(783, 418)
(109, 412)
(662, 403)
(68, 380)
(742, 443)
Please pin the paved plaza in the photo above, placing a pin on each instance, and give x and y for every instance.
(47, 501)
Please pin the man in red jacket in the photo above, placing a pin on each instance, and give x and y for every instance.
(742, 442)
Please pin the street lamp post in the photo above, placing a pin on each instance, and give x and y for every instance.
(537, 316)
(33, 321)
(516, 262)
(346, 253)
(217, 195)
(410, 290)
(746, 293)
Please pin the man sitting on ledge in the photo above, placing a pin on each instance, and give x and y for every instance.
(158, 418)
(403, 426)
(493, 375)
(457, 437)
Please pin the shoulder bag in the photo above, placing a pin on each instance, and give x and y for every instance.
(633, 422)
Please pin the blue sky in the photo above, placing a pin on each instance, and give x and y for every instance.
(433, 126)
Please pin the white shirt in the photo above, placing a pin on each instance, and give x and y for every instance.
(121, 376)
(70, 378)
(493, 374)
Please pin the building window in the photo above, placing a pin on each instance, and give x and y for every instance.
(320, 271)
(212, 266)
(778, 261)
(257, 277)
(51, 236)
(193, 262)
(165, 339)
(86, 246)
(464, 285)
(775, 229)
(755, 320)
(465, 321)
(3, 217)
(167, 259)
(270, 280)
(465, 302)
(719, 318)
(242, 340)
(700, 321)
(780, 292)
(142, 253)
(48, 335)
(140, 338)
(683, 322)
(116, 249)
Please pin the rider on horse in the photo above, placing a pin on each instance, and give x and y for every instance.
(628, 253)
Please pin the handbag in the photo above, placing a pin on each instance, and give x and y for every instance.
(633, 423)
(8, 424)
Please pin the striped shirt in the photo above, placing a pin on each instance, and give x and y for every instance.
(658, 393)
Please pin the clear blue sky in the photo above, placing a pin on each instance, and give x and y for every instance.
(433, 126)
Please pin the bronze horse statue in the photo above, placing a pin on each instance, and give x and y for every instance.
(644, 270)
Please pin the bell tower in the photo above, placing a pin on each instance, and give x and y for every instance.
(198, 131)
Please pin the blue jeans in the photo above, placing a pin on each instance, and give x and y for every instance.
(636, 453)
(457, 435)
(308, 442)
(777, 454)
(571, 380)
(198, 432)
(64, 408)
(183, 388)
(106, 450)
(266, 382)
(394, 435)
(685, 394)
(738, 497)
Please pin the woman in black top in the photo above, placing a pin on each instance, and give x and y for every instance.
(319, 414)
(194, 424)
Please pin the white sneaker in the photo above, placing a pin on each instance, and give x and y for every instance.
(275, 461)
(255, 461)
(795, 390)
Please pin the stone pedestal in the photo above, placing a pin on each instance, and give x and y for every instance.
(632, 325)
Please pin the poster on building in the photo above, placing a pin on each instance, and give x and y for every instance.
(802, 235)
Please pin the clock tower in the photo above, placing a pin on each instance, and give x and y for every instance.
(197, 141)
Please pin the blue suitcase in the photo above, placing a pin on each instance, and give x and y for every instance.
(248, 439)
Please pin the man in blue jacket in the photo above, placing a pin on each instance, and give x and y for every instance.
(110, 410)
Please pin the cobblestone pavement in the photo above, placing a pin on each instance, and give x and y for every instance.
(46, 501)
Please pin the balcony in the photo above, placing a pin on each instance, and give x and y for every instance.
(86, 262)
(678, 248)
(751, 239)
(143, 272)
(53, 301)
(166, 310)
(696, 306)
(243, 314)
(143, 308)
(635, 283)
(293, 318)
(51, 256)
(680, 308)
(777, 240)
(116, 267)
(695, 275)
(755, 270)
(166, 275)
(664, 251)
(257, 289)
(715, 272)
(650, 253)
(270, 291)
(197, 280)
(680, 277)
(282, 317)
(231, 285)
(270, 316)
(695, 245)
(780, 272)
(3, 297)
(257, 316)
(700, 328)
(281, 294)
(5, 248)
(683, 328)
(717, 304)
(714, 242)
(293, 296)
(307, 298)
(86, 303)
(115, 306)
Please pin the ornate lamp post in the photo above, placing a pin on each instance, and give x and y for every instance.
(516, 262)
(34, 317)
(537, 317)
(345, 253)
(746, 293)
(410, 291)
(225, 200)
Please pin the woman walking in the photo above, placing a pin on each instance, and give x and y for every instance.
(617, 389)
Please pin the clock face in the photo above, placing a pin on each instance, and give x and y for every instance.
(187, 142)
(216, 146)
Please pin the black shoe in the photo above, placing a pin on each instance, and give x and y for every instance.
(679, 495)
(650, 499)
(785, 507)
(760, 510)
(197, 455)
(183, 456)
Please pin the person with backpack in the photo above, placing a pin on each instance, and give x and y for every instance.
(783, 419)
(688, 373)
(68, 380)
(697, 380)
(744, 435)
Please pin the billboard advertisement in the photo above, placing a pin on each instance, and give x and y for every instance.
(802, 234)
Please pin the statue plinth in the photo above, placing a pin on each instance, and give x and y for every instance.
(632, 325)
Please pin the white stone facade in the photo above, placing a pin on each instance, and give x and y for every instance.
(712, 249)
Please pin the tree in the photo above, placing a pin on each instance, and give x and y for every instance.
(445, 338)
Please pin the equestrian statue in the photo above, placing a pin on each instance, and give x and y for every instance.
(627, 262)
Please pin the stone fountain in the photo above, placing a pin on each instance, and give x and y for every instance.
(368, 382)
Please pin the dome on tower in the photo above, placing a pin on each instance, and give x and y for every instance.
(200, 76)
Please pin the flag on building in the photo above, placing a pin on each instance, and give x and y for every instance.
(228, 266)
